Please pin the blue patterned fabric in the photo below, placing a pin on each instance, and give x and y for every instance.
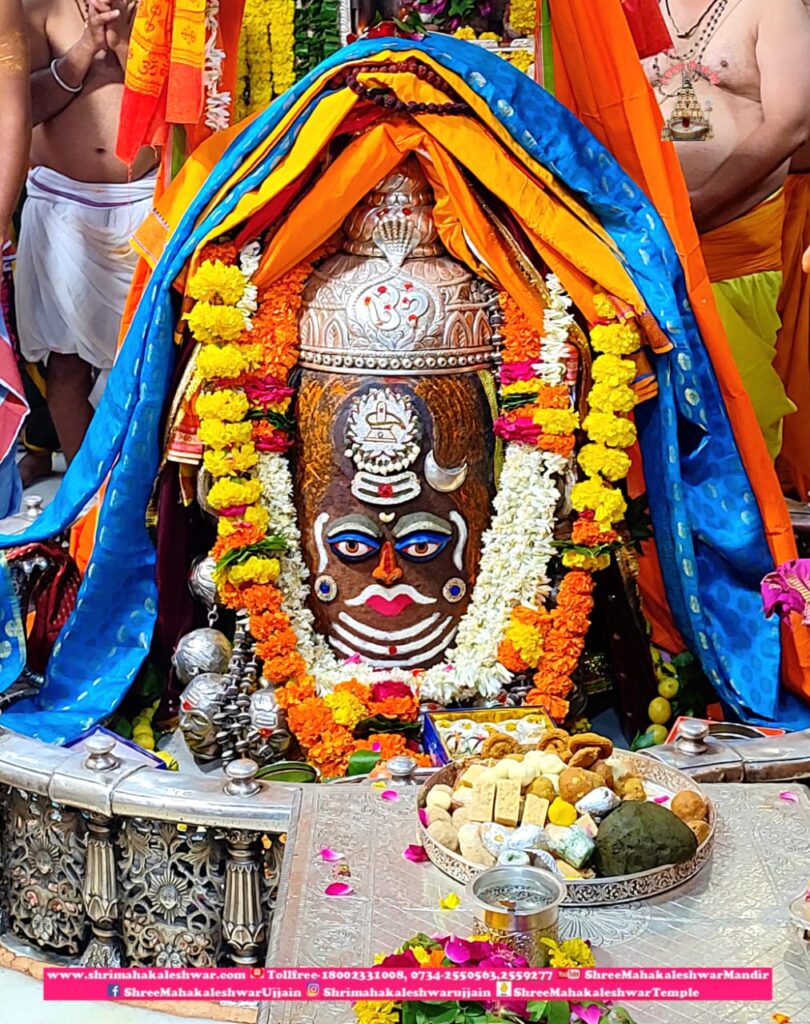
(710, 535)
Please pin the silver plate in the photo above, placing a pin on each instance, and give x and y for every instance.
(595, 892)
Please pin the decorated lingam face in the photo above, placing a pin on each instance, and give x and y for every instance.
(395, 496)
(394, 467)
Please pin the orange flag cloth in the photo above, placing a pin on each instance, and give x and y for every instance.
(164, 77)
(599, 77)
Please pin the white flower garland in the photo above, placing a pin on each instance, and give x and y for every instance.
(516, 551)
(217, 104)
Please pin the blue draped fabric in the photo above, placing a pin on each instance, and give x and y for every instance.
(709, 531)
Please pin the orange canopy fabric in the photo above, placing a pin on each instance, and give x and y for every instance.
(792, 361)
(599, 78)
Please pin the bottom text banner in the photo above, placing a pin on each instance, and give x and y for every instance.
(749, 984)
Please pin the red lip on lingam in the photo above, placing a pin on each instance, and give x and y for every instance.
(395, 606)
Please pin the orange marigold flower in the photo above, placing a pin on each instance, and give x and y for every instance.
(589, 534)
(332, 751)
(281, 668)
(310, 720)
(296, 691)
(261, 597)
(387, 745)
(552, 396)
(509, 657)
(225, 251)
(263, 625)
(558, 444)
(404, 708)
(555, 706)
(521, 340)
(358, 690)
(553, 684)
(277, 644)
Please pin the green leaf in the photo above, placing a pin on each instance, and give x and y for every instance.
(558, 1013)
(445, 1012)
(642, 741)
(517, 399)
(362, 762)
(535, 1008)
(269, 547)
(382, 724)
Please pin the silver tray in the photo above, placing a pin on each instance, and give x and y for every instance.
(592, 892)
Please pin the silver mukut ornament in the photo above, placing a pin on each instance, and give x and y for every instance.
(269, 736)
(201, 650)
(199, 702)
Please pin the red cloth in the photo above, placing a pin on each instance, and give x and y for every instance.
(51, 600)
(647, 25)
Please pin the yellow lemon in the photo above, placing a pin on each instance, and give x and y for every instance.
(660, 711)
(668, 688)
(166, 757)
(145, 740)
(658, 733)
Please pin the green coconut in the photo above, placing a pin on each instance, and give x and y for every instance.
(639, 836)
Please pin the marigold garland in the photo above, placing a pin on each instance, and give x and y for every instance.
(282, 40)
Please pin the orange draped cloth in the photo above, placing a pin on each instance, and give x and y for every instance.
(792, 361)
(750, 244)
(164, 78)
(599, 77)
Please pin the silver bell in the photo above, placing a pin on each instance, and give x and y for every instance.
(201, 650)
(201, 581)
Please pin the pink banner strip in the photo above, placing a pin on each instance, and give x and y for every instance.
(738, 984)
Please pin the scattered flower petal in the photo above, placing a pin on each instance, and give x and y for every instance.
(450, 902)
(378, 785)
(788, 797)
(415, 853)
(780, 1018)
(587, 1014)
(389, 794)
(353, 659)
(423, 817)
(338, 889)
(330, 856)
(660, 800)
(457, 950)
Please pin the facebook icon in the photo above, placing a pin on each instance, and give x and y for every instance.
(113, 991)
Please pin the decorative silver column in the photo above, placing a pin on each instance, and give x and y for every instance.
(244, 926)
(100, 887)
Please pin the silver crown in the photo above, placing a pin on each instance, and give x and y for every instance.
(392, 301)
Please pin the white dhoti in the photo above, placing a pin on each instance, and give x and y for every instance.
(75, 266)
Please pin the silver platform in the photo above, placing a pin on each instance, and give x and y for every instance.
(734, 913)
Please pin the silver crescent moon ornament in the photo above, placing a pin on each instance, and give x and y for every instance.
(444, 480)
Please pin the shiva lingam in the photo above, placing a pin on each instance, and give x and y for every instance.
(394, 467)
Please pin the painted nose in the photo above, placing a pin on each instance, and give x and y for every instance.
(387, 571)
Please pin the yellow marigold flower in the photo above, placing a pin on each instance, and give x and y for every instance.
(421, 954)
(231, 461)
(256, 515)
(526, 640)
(214, 279)
(519, 58)
(225, 404)
(375, 1012)
(450, 902)
(209, 323)
(571, 953)
(597, 459)
(216, 434)
(616, 339)
(607, 398)
(225, 362)
(521, 16)
(465, 32)
(519, 387)
(590, 563)
(607, 503)
(556, 421)
(492, 36)
(604, 307)
(613, 370)
(346, 708)
(229, 493)
(252, 570)
(611, 430)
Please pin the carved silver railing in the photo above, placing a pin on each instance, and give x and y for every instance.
(105, 862)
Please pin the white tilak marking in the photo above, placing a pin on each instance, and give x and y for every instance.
(396, 662)
(458, 551)
(383, 634)
(317, 530)
(416, 645)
